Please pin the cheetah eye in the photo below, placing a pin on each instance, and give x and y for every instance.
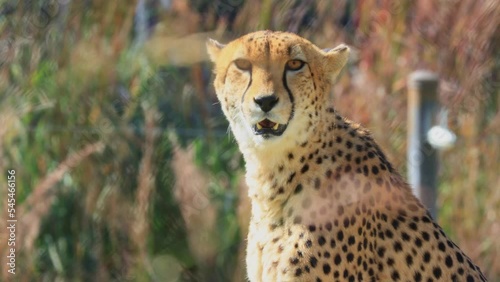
(243, 64)
(294, 65)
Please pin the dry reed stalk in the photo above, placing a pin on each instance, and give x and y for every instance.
(199, 214)
(144, 189)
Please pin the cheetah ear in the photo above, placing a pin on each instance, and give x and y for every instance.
(214, 48)
(336, 59)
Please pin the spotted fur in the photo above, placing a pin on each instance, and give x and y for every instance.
(327, 205)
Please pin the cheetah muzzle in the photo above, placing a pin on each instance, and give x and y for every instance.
(268, 128)
(327, 205)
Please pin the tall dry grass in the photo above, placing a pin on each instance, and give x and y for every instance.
(37, 205)
(84, 60)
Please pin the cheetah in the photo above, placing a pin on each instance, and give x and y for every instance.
(327, 205)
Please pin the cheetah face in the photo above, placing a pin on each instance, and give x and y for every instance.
(263, 108)
(273, 84)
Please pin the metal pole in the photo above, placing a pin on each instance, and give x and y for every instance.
(422, 157)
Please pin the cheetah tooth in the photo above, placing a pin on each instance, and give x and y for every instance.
(259, 126)
(275, 127)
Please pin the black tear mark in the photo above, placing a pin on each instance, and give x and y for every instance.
(248, 86)
(290, 95)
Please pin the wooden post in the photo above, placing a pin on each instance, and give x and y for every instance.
(422, 160)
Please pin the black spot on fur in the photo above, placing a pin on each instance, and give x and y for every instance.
(305, 168)
(298, 189)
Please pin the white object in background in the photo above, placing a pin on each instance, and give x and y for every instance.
(440, 136)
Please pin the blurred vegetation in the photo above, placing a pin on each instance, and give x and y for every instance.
(125, 169)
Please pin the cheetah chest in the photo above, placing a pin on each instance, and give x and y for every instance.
(319, 235)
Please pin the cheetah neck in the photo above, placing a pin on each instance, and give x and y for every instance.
(272, 172)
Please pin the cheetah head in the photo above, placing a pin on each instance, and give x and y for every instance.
(273, 85)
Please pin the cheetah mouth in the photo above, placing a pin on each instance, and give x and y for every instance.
(267, 128)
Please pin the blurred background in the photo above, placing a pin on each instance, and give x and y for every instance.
(125, 170)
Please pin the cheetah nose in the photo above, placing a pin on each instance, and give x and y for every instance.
(266, 103)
